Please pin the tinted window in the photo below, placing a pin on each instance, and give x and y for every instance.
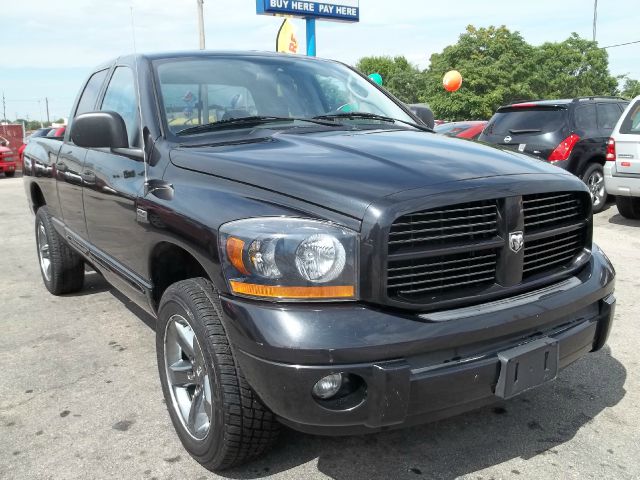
(535, 121)
(585, 116)
(121, 98)
(631, 123)
(608, 115)
(89, 96)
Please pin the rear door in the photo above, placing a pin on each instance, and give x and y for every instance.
(628, 141)
(534, 129)
(70, 162)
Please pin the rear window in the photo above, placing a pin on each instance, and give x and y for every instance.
(529, 120)
(631, 123)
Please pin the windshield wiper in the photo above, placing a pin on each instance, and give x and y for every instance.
(372, 116)
(247, 121)
(524, 130)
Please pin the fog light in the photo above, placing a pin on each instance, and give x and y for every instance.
(327, 386)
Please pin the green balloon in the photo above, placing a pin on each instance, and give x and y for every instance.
(377, 78)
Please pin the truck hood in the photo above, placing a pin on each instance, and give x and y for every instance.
(347, 171)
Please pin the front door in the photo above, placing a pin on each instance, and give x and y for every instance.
(113, 184)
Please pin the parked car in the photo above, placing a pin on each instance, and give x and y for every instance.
(7, 159)
(571, 134)
(470, 130)
(622, 170)
(336, 270)
(7, 162)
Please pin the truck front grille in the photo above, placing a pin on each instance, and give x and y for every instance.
(462, 251)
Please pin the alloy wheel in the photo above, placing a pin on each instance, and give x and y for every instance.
(44, 253)
(187, 377)
(596, 187)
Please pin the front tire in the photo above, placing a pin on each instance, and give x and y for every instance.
(10, 174)
(629, 207)
(218, 418)
(62, 268)
(594, 179)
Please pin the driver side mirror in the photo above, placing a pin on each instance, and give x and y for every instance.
(99, 130)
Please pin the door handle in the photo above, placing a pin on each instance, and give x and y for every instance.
(88, 177)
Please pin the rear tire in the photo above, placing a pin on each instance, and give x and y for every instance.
(61, 267)
(594, 179)
(9, 174)
(196, 361)
(629, 207)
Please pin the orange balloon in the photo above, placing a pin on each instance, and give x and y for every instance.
(452, 81)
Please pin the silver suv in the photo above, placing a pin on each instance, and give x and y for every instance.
(622, 169)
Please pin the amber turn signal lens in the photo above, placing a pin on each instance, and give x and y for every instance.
(254, 290)
(235, 249)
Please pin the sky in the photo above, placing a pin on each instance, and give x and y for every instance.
(48, 48)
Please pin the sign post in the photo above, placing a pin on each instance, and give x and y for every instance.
(312, 10)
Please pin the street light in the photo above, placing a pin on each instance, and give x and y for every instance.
(201, 22)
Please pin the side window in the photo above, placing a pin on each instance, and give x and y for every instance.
(121, 98)
(631, 123)
(608, 114)
(90, 93)
(585, 116)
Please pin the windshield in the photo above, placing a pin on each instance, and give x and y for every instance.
(216, 89)
(529, 120)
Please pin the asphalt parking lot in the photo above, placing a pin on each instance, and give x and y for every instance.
(80, 395)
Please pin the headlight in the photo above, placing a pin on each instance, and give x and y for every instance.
(289, 259)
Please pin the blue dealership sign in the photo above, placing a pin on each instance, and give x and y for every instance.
(341, 10)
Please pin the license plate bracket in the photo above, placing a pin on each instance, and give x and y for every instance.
(527, 366)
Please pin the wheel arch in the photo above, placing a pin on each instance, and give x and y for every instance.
(36, 197)
(170, 263)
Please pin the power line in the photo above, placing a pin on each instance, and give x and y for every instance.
(621, 44)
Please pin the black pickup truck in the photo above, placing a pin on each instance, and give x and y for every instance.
(314, 255)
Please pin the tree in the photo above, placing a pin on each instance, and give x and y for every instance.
(495, 64)
(573, 68)
(498, 67)
(400, 77)
(631, 88)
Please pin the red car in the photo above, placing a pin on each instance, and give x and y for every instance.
(471, 129)
(7, 161)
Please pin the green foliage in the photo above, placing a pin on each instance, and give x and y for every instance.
(494, 70)
(631, 88)
(498, 67)
(400, 77)
(573, 68)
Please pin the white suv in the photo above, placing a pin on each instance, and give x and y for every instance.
(622, 169)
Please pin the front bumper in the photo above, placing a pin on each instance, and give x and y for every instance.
(416, 369)
(627, 186)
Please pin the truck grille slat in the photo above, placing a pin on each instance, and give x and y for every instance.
(441, 279)
(430, 289)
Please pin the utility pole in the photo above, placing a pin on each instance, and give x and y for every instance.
(46, 100)
(201, 22)
(595, 19)
(4, 108)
